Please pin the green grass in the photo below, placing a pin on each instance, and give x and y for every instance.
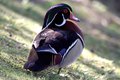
(19, 24)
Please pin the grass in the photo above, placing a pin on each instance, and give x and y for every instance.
(19, 23)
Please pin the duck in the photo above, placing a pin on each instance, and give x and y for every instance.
(59, 43)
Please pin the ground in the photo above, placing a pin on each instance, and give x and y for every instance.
(21, 20)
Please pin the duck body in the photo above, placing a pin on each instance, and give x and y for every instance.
(56, 45)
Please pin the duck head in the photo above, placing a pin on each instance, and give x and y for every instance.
(58, 15)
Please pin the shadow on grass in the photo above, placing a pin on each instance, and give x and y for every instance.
(103, 48)
(17, 30)
(113, 6)
(10, 46)
(2, 20)
(44, 4)
(111, 30)
(20, 9)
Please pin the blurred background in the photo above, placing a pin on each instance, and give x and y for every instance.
(21, 20)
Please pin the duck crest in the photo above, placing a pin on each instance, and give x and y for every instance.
(52, 12)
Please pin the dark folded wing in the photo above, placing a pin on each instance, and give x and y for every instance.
(52, 41)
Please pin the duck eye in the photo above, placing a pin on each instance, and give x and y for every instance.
(65, 11)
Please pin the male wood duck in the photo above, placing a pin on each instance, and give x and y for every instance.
(59, 43)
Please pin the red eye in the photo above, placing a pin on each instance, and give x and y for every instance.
(65, 11)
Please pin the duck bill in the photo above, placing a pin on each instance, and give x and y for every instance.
(72, 17)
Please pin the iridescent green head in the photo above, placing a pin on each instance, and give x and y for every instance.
(58, 15)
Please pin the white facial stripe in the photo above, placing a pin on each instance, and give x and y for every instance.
(81, 39)
(50, 22)
(64, 21)
(70, 48)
